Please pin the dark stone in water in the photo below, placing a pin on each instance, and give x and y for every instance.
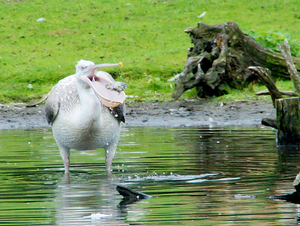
(293, 197)
(130, 196)
(126, 192)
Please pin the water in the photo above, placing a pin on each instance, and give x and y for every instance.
(196, 176)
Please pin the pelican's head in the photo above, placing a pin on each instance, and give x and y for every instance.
(86, 73)
(82, 66)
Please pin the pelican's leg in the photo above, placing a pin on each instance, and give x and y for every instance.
(110, 151)
(65, 154)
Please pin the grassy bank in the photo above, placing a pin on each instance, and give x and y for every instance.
(147, 36)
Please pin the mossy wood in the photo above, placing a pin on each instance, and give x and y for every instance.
(221, 56)
(288, 121)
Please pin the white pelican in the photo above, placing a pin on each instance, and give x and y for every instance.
(85, 113)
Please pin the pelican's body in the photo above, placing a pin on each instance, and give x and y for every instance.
(79, 119)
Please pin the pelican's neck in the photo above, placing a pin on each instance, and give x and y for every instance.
(90, 106)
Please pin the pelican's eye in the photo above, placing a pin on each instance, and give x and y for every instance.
(83, 67)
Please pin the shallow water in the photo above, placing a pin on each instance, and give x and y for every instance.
(196, 176)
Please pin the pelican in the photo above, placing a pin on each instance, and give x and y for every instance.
(85, 111)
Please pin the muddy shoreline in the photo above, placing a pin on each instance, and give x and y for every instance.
(169, 114)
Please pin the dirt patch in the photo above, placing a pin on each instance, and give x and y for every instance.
(168, 114)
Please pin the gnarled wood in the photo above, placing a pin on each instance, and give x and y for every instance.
(221, 56)
(264, 75)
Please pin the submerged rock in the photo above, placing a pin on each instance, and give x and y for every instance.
(130, 196)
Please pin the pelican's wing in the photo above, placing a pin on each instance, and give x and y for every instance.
(63, 97)
(52, 106)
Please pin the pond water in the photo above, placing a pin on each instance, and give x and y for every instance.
(196, 176)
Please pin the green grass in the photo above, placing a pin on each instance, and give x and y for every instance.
(147, 36)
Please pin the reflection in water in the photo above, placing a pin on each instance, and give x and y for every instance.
(195, 176)
(77, 201)
(288, 161)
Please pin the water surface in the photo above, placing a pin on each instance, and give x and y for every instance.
(196, 176)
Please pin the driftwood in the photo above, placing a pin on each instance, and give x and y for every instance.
(220, 58)
(286, 52)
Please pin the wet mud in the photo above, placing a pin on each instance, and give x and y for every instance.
(183, 113)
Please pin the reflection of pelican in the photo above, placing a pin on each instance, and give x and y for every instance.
(81, 201)
(79, 120)
(77, 201)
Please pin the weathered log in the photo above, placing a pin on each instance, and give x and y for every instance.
(288, 121)
(221, 56)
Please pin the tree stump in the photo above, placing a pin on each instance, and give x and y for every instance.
(221, 56)
(288, 121)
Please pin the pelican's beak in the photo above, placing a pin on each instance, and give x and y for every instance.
(109, 98)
